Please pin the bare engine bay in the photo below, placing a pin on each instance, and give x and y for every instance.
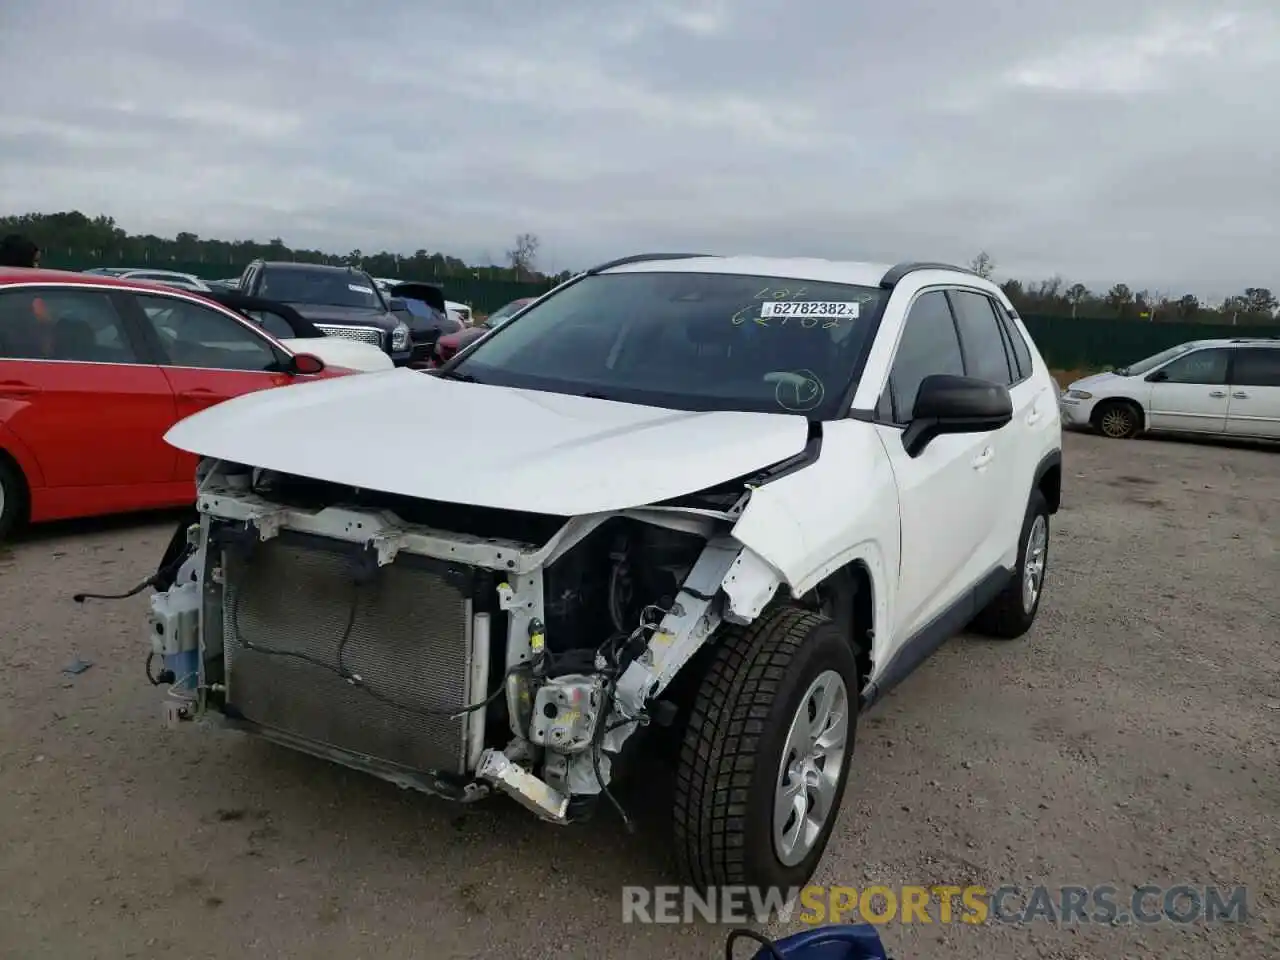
(500, 669)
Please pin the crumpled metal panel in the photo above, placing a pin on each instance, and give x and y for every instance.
(409, 643)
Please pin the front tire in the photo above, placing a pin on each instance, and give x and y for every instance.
(766, 754)
(1013, 611)
(1118, 420)
(13, 499)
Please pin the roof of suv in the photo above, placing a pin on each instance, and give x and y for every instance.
(1236, 342)
(833, 271)
(312, 267)
(859, 273)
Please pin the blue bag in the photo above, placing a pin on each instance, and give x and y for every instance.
(858, 941)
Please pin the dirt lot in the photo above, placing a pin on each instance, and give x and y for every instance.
(1131, 739)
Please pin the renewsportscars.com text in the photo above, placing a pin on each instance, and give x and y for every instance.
(938, 903)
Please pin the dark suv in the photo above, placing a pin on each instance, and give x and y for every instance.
(340, 301)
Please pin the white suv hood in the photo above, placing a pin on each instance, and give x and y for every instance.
(410, 433)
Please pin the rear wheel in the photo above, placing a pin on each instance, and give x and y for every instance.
(13, 498)
(1118, 420)
(1013, 611)
(766, 753)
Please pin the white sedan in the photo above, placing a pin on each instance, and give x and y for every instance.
(168, 278)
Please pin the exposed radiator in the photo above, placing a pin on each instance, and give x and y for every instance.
(410, 642)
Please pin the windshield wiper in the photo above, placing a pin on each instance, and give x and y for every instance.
(460, 377)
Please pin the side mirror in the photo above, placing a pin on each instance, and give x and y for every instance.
(1160, 376)
(397, 303)
(305, 364)
(949, 404)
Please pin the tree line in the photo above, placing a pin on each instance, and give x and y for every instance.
(73, 236)
(1055, 297)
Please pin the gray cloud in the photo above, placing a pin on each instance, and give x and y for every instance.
(1102, 141)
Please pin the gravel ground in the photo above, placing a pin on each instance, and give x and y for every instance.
(1131, 738)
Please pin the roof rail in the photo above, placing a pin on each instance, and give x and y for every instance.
(898, 271)
(642, 258)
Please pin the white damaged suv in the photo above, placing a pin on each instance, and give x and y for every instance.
(720, 503)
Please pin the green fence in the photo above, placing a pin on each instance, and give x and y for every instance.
(1068, 343)
(483, 296)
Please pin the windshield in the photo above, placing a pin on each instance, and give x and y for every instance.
(334, 288)
(1150, 363)
(688, 341)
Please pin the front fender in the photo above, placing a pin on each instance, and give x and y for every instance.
(841, 509)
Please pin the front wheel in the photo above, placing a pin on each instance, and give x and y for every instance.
(1119, 421)
(766, 754)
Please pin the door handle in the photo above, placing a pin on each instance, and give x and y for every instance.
(982, 459)
(1220, 393)
(1033, 417)
(1240, 395)
(199, 393)
(17, 389)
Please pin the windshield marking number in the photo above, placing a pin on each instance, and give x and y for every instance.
(810, 314)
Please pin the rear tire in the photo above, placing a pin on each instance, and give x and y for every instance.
(13, 498)
(1013, 611)
(756, 794)
(1118, 420)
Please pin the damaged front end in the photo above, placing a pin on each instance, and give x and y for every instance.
(451, 649)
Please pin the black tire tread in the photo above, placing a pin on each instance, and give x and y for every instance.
(718, 755)
(1003, 618)
(15, 498)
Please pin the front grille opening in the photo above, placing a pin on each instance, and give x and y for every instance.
(533, 529)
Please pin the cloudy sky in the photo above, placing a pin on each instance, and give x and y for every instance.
(1102, 140)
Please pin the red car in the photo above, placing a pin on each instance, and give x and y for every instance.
(93, 373)
(451, 343)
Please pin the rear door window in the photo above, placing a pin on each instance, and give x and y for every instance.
(62, 323)
(985, 356)
(1258, 367)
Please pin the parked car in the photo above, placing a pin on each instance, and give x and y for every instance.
(423, 309)
(1226, 387)
(169, 278)
(341, 301)
(447, 346)
(505, 313)
(300, 335)
(459, 312)
(94, 370)
(644, 533)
